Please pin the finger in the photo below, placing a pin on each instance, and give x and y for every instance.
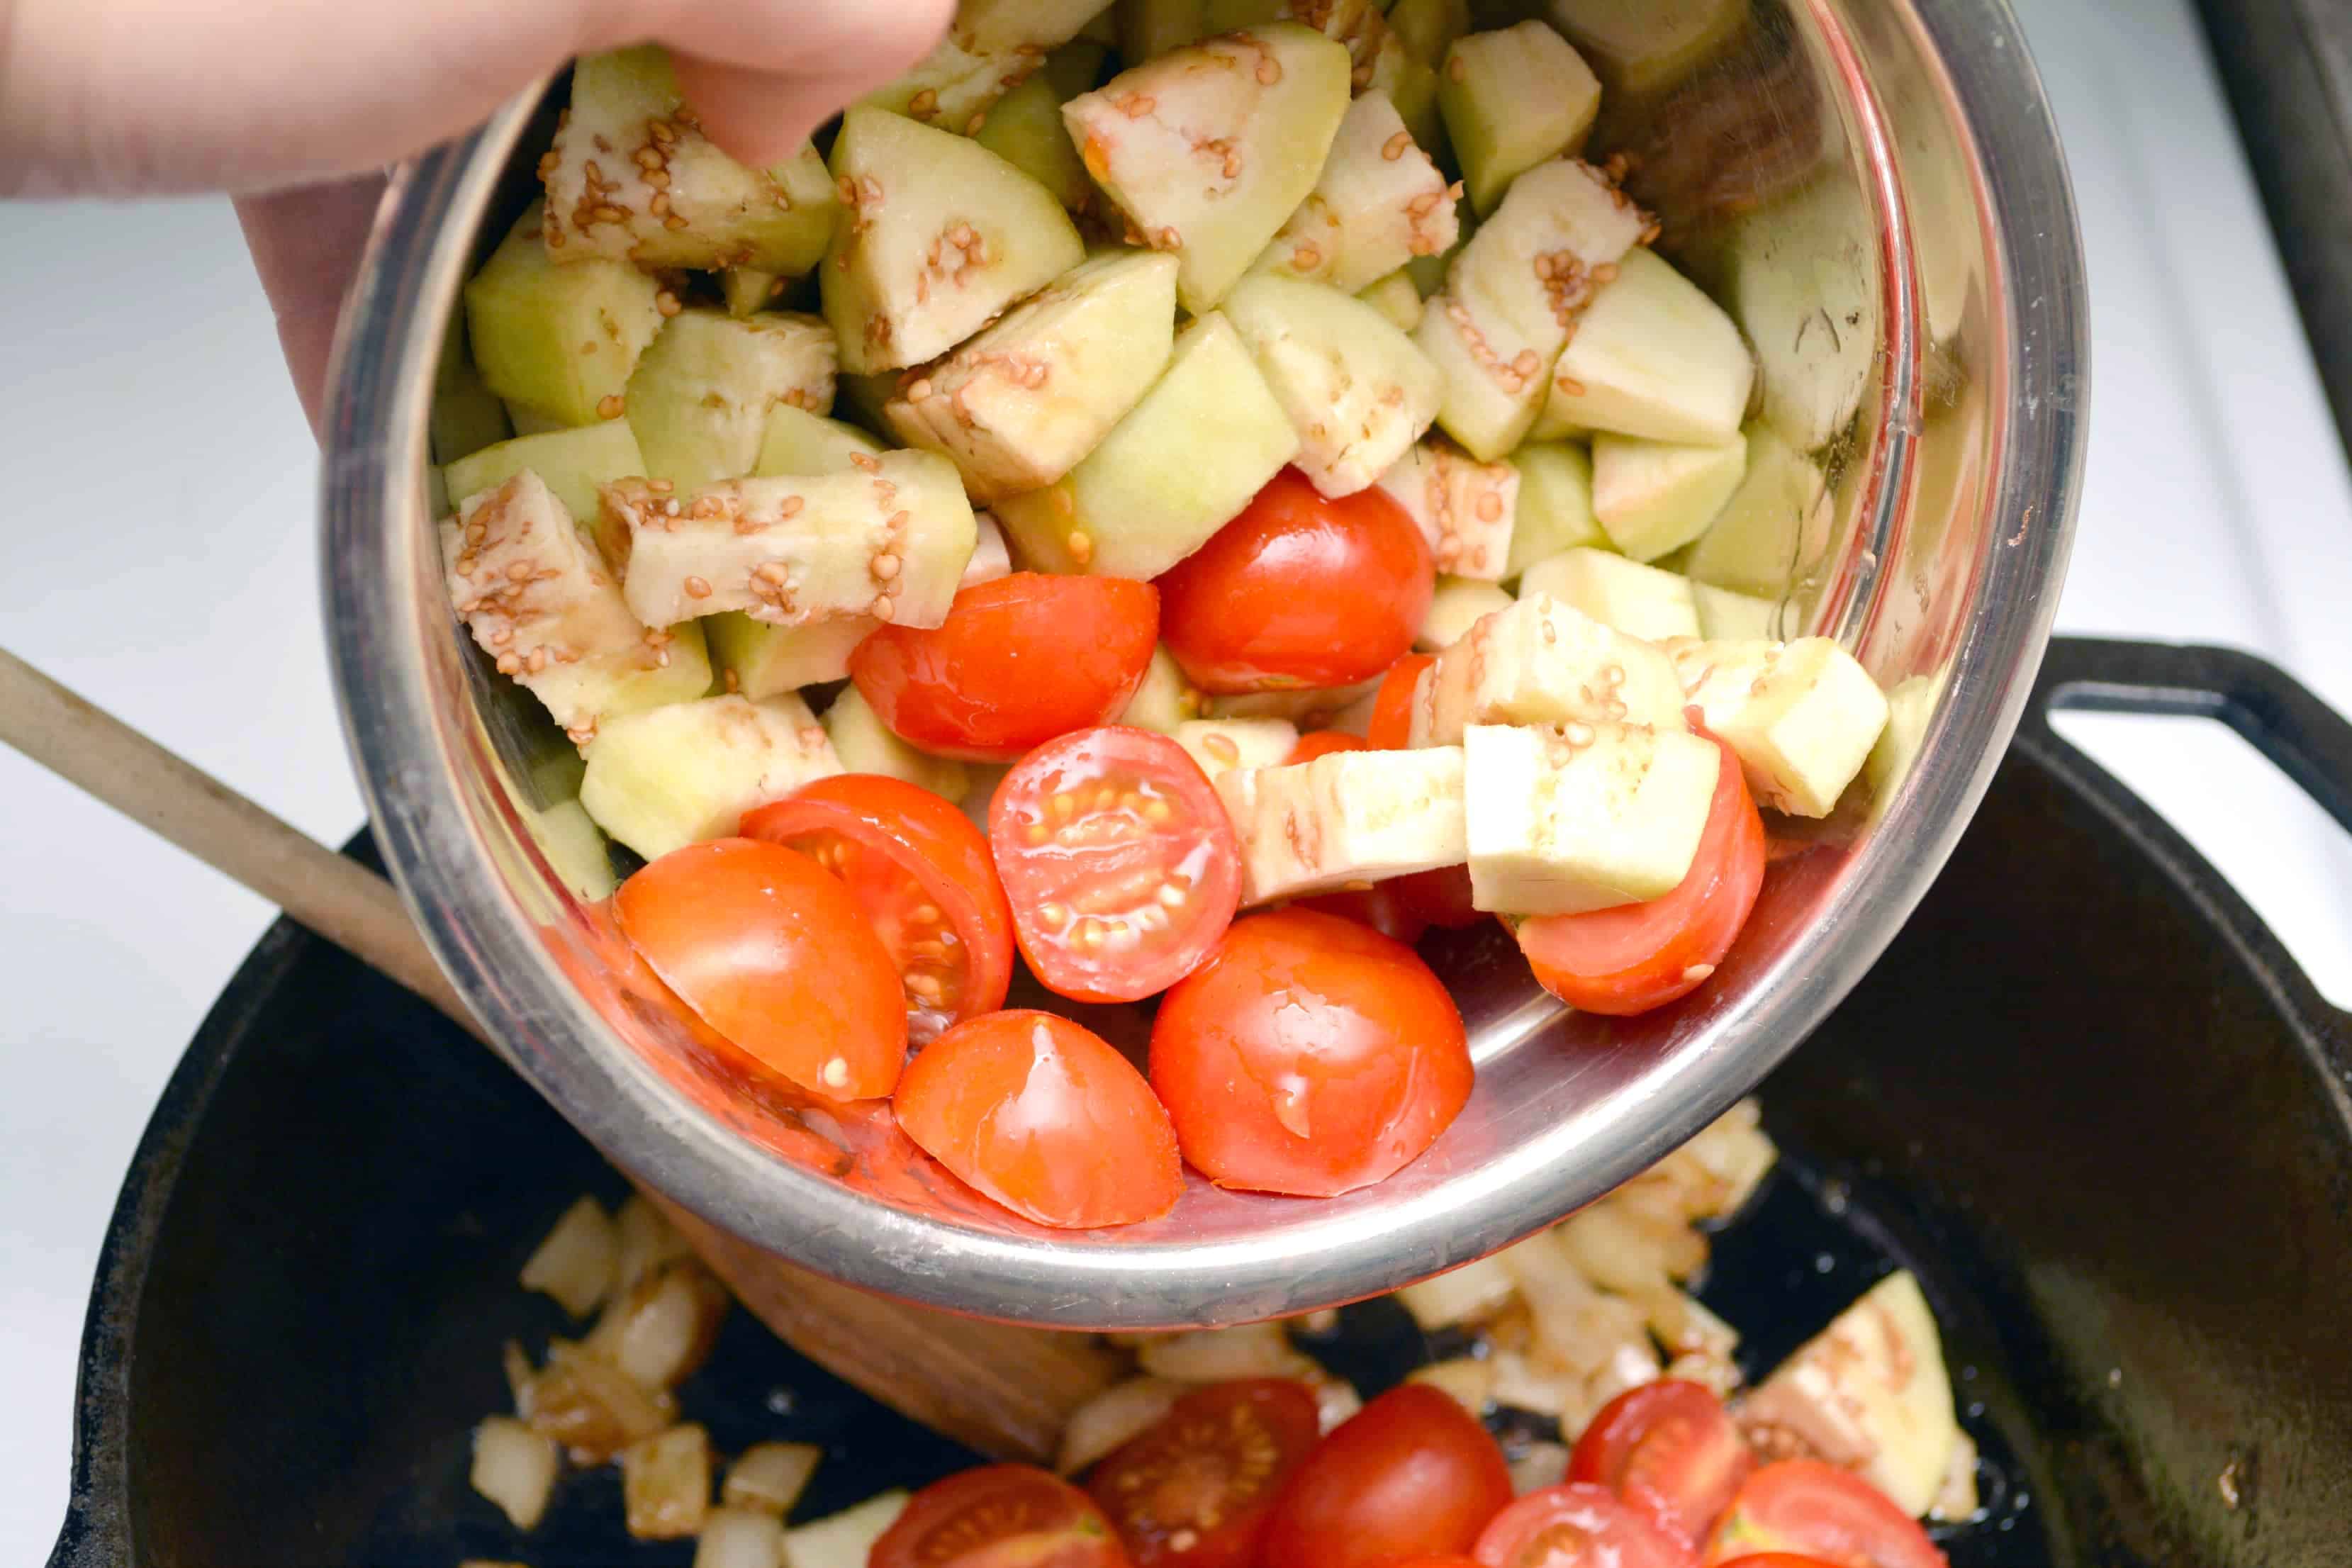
(762, 114)
(160, 95)
(306, 246)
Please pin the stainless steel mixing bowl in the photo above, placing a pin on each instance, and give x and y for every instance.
(1874, 187)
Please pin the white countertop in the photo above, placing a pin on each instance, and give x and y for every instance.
(169, 574)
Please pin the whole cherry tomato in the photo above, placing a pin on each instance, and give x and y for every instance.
(1298, 590)
(1411, 1474)
(1018, 661)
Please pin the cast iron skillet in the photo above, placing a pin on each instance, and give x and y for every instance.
(2086, 1095)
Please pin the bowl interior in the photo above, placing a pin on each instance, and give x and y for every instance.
(1848, 181)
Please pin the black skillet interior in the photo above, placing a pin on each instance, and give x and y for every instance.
(2084, 1096)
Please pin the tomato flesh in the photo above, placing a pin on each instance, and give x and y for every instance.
(999, 1516)
(771, 950)
(1577, 1525)
(1309, 1056)
(1440, 897)
(1194, 1489)
(1043, 1116)
(1669, 1450)
(923, 875)
(1018, 661)
(1322, 743)
(1120, 862)
(1636, 957)
(1298, 590)
(1777, 1560)
(1383, 907)
(1411, 1474)
(1813, 1510)
(1391, 729)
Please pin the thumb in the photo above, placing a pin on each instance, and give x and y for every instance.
(136, 96)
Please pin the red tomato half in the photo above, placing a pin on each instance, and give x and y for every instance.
(1322, 743)
(1298, 590)
(1814, 1510)
(923, 873)
(1044, 1117)
(1391, 729)
(1119, 860)
(1639, 956)
(1777, 1560)
(1309, 1055)
(1577, 1526)
(1194, 1489)
(1018, 661)
(772, 953)
(1669, 1450)
(1000, 1516)
(1411, 1474)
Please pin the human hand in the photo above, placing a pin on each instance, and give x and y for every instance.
(295, 106)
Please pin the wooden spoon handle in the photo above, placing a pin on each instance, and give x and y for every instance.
(345, 902)
(1004, 1389)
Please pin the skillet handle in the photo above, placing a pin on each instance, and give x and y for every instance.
(2278, 716)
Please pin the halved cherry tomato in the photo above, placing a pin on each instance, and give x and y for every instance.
(1777, 1560)
(1639, 956)
(1019, 661)
(771, 950)
(1322, 743)
(1813, 1510)
(1577, 1525)
(1194, 1489)
(1391, 729)
(1669, 1450)
(1440, 1561)
(922, 872)
(999, 1516)
(1298, 590)
(1043, 1116)
(1382, 906)
(1411, 1474)
(1440, 898)
(1119, 860)
(1309, 1055)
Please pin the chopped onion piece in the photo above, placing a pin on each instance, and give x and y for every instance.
(1336, 1399)
(1112, 1418)
(520, 1374)
(1466, 1378)
(1543, 1464)
(1719, 1377)
(1459, 1295)
(1614, 1252)
(662, 1326)
(666, 1483)
(1631, 1364)
(514, 1467)
(646, 1241)
(575, 1263)
(741, 1538)
(770, 1476)
(1687, 1329)
(1219, 1355)
(842, 1540)
(593, 1408)
(1522, 1386)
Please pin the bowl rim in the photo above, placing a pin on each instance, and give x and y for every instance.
(380, 600)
